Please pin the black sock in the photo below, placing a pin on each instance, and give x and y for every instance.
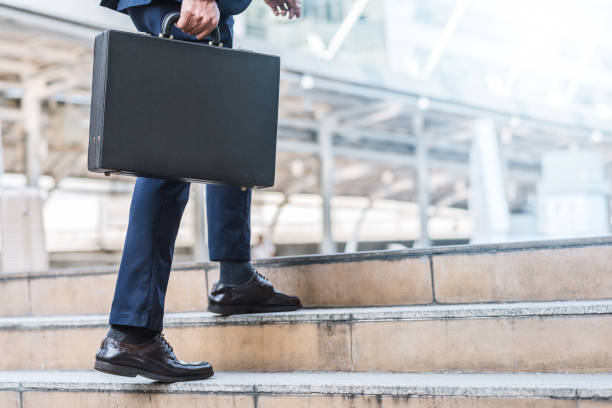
(235, 272)
(130, 334)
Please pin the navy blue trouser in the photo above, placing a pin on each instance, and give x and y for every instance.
(155, 213)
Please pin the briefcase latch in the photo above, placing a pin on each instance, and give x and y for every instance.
(173, 17)
(218, 44)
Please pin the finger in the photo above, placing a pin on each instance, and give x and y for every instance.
(189, 20)
(204, 28)
(197, 26)
(294, 8)
(182, 21)
(284, 7)
(273, 4)
(207, 28)
(189, 24)
(201, 27)
(298, 9)
(203, 33)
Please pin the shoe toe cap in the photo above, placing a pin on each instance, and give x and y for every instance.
(286, 300)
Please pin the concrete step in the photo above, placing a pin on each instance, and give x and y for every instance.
(573, 336)
(534, 271)
(299, 389)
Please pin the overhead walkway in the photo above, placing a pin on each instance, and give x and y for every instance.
(345, 129)
(367, 112)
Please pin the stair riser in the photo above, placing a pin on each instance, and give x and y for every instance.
(579, 344)
(371, 283)
(36, 399)
(528, 275)
(493, 276)
(92, 294)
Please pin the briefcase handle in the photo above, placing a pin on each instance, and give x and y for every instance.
(174, 16)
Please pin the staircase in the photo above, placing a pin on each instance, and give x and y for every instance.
(511, 325)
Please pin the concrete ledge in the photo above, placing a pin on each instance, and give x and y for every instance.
(344, 257)
(440, 250)
(363, 314)
(538, 385)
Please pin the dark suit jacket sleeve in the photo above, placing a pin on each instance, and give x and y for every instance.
(232, 7)
(226, 7)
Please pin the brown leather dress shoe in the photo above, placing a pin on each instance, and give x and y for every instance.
(152, 359)
(255, 296)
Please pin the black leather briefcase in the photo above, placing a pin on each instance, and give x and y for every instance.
(183, 110)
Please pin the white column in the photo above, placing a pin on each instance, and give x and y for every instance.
(21, 210)
(1, 160)
(326, 182)
(31, 107)
(276, 217)
(353, 241)
(200, 246)
(488, 202)
(422, 152)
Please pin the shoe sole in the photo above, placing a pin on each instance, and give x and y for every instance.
(247, 309)
(125, 371)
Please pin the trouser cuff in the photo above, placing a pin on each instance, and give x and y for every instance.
(143, 320)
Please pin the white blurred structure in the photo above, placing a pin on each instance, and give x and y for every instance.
(573, 194)
(400, 121)
(399, 46)
(23, 238)
(488, 204)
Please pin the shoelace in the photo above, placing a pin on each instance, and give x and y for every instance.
(262, 277)
(166, 344)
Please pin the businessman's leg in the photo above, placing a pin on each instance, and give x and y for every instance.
(155, 215)
(240, 288)
(229, 232)
(134, 345)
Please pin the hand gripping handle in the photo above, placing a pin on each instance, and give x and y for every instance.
(171, 18)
